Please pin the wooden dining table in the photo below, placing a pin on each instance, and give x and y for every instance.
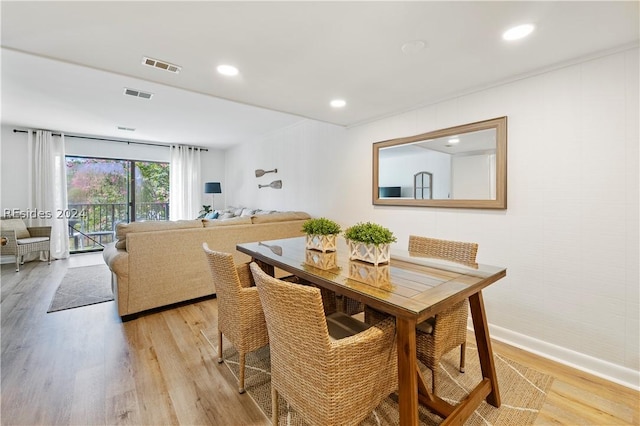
(410, 287)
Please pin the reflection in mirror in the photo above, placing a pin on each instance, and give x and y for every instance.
(423, 186)
(462, 166)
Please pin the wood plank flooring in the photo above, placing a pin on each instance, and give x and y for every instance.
(85, 366)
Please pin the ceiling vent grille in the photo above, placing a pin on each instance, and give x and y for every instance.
(137, 93)
(150, 62)
(127, 129)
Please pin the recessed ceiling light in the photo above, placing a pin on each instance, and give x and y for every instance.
(453, 140)
(518, 32)
(227, 70)
(338, 103)
(412, 47)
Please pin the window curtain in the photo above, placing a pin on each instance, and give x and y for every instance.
(49, 188)
(185, 192)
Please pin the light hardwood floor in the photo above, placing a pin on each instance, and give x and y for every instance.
(84, 366)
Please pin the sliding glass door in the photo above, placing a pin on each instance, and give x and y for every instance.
(104, 192)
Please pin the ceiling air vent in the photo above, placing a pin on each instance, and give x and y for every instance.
(127, 129)
(161, 65)
(137, 93)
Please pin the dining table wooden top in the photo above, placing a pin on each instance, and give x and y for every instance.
(410, 285)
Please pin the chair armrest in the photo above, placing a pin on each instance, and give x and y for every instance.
(251, 306)
(10, 235)
(382, 333)
(39, 231)
(245, 275)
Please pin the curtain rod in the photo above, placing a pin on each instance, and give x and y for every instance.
(111, 140)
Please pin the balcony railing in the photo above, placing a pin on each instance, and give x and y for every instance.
(91, 226)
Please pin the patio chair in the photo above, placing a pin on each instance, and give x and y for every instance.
(328, 382)
(21, 240)
(240, 316)
(446, 331)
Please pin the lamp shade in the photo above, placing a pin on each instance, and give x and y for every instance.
(212, 188)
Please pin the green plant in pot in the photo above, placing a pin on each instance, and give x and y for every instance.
(205, 210)
(321, 234)
(369, 242)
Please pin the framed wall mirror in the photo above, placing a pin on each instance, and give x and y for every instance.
(463, 167)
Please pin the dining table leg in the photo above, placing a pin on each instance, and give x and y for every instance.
(267, 268)
(485, 352)
(407, 367)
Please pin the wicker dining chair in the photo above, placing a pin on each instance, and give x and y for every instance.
(446, 331)
(453, 251)
(240, 316)
(21, 240)
(328, 382)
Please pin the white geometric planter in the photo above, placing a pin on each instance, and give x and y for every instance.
(321, 260)
(378, 276)
(369, 253)
(321, 243)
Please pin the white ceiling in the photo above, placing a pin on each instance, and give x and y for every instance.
(66, 64)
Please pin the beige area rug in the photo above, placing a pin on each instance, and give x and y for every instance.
(522, 390)
(82, 286)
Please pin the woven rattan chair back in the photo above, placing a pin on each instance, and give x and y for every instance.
(228, 287)
(447, 330)
(327, 382)
(240, 315)
(454, 251)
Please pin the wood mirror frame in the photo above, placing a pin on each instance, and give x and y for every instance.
(498, 201)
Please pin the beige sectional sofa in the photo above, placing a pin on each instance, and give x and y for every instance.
(157, 264)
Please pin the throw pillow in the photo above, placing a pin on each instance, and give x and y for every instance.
(15, 225)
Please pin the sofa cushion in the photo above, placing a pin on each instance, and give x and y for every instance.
(246, 220)
(15, 225)
(280, 217)
(159, 225)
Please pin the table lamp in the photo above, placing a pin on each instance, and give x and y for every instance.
(212, 188)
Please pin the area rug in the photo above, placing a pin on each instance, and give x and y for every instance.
(523, 390)
(82, 286)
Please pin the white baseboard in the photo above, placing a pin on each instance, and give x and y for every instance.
(604, 369)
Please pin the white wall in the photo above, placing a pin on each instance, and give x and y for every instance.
(472, 177)
(569, 237)
(212, 169)
(13, 170)
(399, 170)
(305, 155)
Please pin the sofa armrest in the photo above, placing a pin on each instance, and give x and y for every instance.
(116, 259)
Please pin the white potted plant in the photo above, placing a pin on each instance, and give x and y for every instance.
(321, 234)
(369, 242)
